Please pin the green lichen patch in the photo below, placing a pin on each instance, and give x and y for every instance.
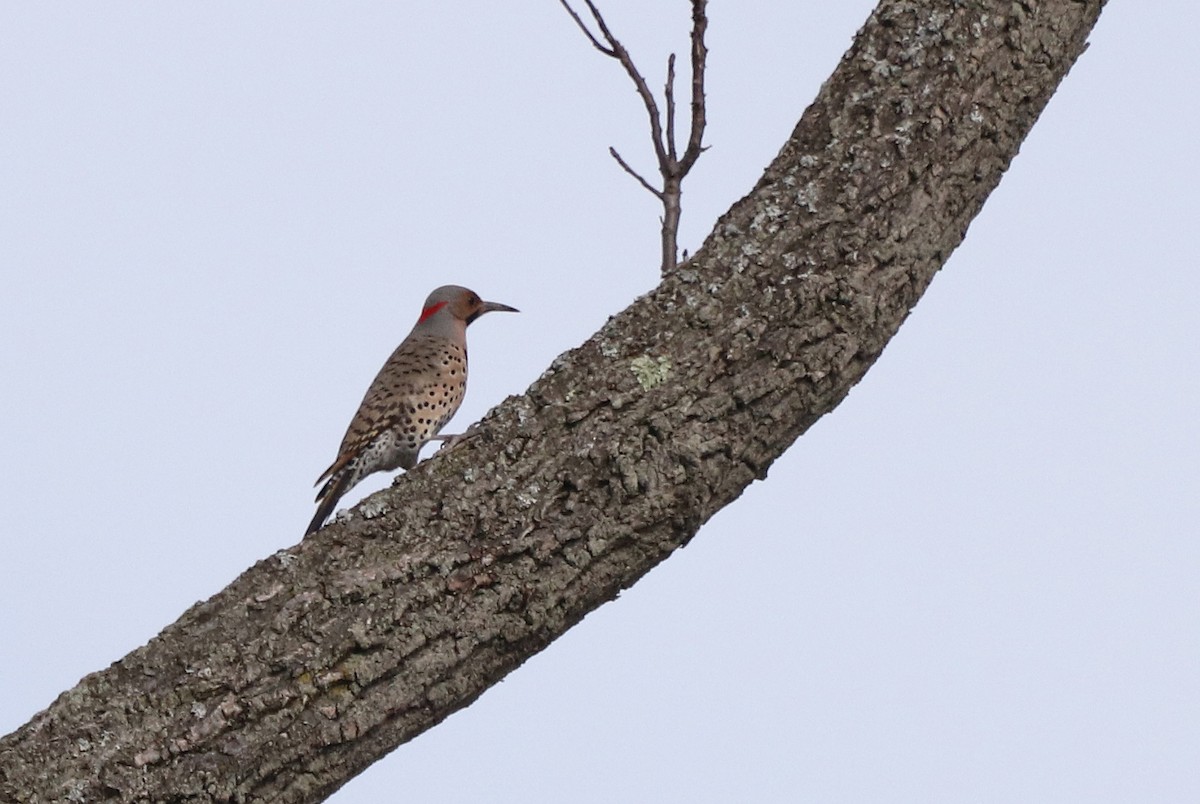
(650, 371)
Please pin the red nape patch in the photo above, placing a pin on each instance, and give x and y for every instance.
(431, 310)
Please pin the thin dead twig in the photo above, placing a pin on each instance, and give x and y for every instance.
(620, 161)
(672, 167)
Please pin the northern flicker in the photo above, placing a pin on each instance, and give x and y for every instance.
(415, 393)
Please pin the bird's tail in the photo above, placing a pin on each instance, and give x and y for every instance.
(327, 498)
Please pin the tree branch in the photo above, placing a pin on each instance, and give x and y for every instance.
(322, 658)
(587, 31)
(673, 169)
(617, 51)
(620, 161)
(695, 145)
(669, 93)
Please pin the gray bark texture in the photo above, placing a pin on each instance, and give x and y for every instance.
(324, 657)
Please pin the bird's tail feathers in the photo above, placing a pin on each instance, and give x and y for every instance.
(341, 463)
(337, 485)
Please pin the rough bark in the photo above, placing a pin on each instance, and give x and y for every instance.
(324, 657)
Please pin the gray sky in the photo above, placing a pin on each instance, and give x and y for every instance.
(977, 580)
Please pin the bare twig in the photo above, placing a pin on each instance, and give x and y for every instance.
(695, 144)
(669, 92)
(657, 192)
(671, 166)
(587, 31)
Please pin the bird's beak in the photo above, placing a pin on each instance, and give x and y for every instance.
(491, 307)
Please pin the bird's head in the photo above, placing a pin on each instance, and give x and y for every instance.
(459, 303)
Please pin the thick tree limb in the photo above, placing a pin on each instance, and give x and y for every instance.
(324, 657)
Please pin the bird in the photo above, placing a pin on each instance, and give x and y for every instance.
(415, 393)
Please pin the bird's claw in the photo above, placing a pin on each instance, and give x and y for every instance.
(451, 441)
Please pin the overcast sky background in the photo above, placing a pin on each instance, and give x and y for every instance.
(976, 580)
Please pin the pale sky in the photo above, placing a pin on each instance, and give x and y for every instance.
(976, 580)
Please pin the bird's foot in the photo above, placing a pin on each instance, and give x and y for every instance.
(451, 441)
